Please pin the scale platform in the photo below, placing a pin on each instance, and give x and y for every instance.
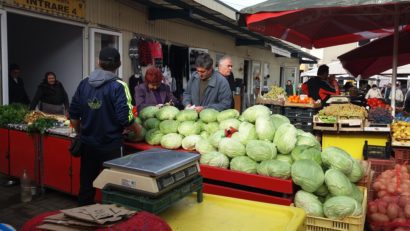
(152, 172)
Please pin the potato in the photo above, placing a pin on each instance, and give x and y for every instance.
(407, 211)
(382, 207)
(392, 211)
(378, 217)
(403, 201)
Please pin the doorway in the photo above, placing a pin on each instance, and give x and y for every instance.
(39, 45)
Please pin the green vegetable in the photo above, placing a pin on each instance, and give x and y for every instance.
(12, 114)
(153, 137)
(357, 171)
(337, 158)
(265, 130)
(243, 164)
(274, 168)
(138, 120)
(357, 194)
(208, 115)
(305, 152)
(203, 146)
(204, 134)
(309, 202)
(251, 113)
(148, 112)
(216, 137)
(210, 127)
(278, 120)
(285, 158)
(215, 159)
(187, 115)
(167, 113)
(260, 150)
(227, 114)
(187, 128)
(339, 207)
(306, 138)
(41, 125)
(231, 147)
(285, 138)
(169, 126)
(337, 183)
(151, 123)
(307, 174)
(245, 132)
(171, 141)
(229, 123)
(189, 142)
(322, 191)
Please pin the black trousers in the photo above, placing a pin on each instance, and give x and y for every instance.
(91, 165)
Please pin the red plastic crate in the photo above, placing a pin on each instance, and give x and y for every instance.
(402, 155)
(378, 166)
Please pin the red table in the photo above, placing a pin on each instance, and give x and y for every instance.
(4, 151)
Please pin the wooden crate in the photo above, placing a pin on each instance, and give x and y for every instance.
(261, 100)
(352, 124)
(303, 105)
(375, 127)
(318, 124)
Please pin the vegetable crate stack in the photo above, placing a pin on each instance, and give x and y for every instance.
(390, 208)
(301, 118)
(341, 117)
(400, 133)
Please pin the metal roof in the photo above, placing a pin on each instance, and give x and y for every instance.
(196, 12)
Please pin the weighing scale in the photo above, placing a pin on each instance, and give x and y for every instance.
(152, 172)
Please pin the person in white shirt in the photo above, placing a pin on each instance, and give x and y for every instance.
(399, 96)
(374, 92)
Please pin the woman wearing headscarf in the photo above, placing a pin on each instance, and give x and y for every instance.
(50, 96)
(153, 91)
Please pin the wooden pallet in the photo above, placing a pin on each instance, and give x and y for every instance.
(303, 105)
(375, 127)
(320, 125)
(354, 124)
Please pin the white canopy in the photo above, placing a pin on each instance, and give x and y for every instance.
(335, 68)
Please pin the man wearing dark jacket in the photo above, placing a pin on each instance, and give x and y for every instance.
(318, 87)
(17, 93)
(100, 110)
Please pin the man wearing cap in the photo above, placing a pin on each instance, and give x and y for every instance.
(207, 88)
(99, 112)
(17, 92)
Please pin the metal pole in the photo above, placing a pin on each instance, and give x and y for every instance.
(395, 51)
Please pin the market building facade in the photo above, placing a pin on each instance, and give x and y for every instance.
(66, 36)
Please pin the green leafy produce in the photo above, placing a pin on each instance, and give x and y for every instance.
(229, 123)
(285, 138)
(227, 114)
(151, 123)
(278, 120)
(251, 113)
(357, 194)
(210, 127)
(167, 113)
(41, 125)
(203, 146)
(306, 152)
(337, 183)
(153, 136)
(357, 171)
(189, 142)
(265, 129)
(12, 114)
(285, 158)
(148, 112)
(337, 158)
(187, 115)
(204, 134)
(138, 120)
(171, 141)
(260, 150)
(215, 159)
(169, 126)
(208, 115)
(245, 133)
(322, 191)
(306, 138)
(231, 147)
(243, 164)
(307, 174)
(309, 202)
(187, 128)
(339, 207)
(274, 168)
(216, 137)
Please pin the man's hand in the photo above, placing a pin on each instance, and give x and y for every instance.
(135, 127)
(199, 109)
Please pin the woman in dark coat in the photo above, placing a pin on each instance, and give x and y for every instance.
(153, 91)
(51, 96)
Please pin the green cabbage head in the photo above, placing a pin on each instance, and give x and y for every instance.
(227, 114)
(285, 138)
(307, 174)
(208, 115)
(306, 152)
(260, 150)
(274, 168)
(187, 128)
(203, 146)
(243, 164)
(231, 147)
(148, 112)
(210, 127)
(227, 124)
(169, 126)
(216, 137)
(151, 123)
(265, 130)
(357, 171)
(245, 133)
(171, 141)
(215, 159)
(339, 207)
(153, 137)
(337, 183)
(189, 142)
(309, 202)
(337, 158)
(278, 120)
(187, 115)
(285, 158)
(251, 113)
(167, 113)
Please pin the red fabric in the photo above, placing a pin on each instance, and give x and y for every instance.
(305, 89)
(156, 50)
(142, 221)
(328, 26)
(145, 57)
(377, 56)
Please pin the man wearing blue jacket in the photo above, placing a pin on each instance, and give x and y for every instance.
(100, 110)
(207, 88)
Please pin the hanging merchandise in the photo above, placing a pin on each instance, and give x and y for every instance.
(166, 72)
(134, 55)
(156, 49)
(145, 57)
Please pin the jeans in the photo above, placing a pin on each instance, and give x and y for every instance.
(92, 160)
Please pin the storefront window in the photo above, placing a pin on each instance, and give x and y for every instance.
(100, 39)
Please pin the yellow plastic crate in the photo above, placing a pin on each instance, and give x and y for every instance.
(348, 224)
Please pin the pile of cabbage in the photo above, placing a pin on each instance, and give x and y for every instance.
(265, 144)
